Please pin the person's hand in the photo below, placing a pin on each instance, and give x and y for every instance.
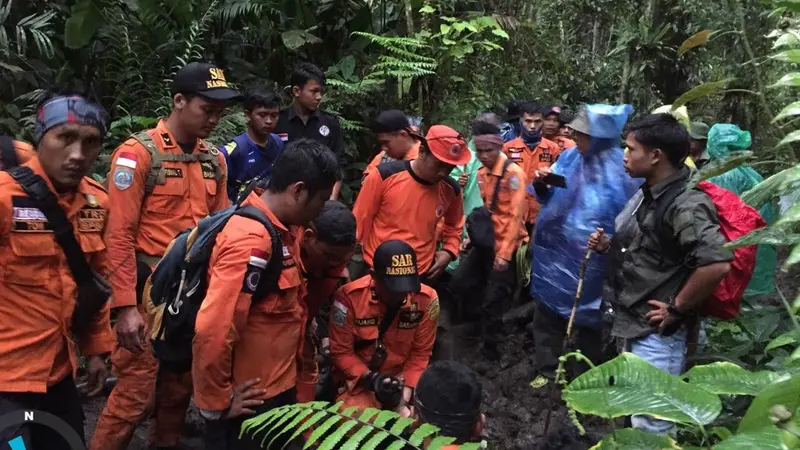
(465, 244)
(598, 241)
(387, 388)
(96, 370)
(404, 410)
(245, 396)
(660, 316)
(462, 180)
(130, 329)
(500, 264)
(440, 261)
(541, 173)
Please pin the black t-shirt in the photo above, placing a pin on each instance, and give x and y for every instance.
(323, 127)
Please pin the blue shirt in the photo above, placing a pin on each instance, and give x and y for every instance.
(246, 160)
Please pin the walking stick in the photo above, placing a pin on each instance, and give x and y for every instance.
(568, 335)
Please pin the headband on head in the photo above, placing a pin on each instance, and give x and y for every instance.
(489, 139)
(448, 423)
(69, 109)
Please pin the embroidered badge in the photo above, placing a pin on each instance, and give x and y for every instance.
(433, 310)
(208, 170)
(127, 159)
(366, 322)
(26, 218)
(284, 137)
(455, 150)
(123, 178)
(213, 150)
(255, 267)
(439, 211)
(339, 314)
(173, 172)
(324, 130)
(91, 220)
(258, 258)
(513, 183)
(409, 319)
(167, 140)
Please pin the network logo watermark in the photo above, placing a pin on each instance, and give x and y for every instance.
(17, 419)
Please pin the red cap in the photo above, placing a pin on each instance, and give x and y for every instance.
(447, 145)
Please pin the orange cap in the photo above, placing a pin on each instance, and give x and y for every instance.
(447, 145)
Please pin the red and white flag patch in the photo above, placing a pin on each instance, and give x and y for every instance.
(127, 159)
(258, 258)
(284, 136)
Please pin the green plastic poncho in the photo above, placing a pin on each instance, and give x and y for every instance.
(471, 193)
(723, 138)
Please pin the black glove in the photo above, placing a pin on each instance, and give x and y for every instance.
(387, 388)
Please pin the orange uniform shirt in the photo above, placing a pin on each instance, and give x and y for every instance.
(509, 229)
(140, 224)
(237, 339)
(564, 142)
(544, 155)
(381, 158)
(355, 316)
(394, 203)
(24, 153)
(37, 290)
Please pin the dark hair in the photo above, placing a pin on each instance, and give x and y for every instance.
(308, 161)
(530, 108)
(261, 97)
(664, 132)
(481, 126)
(335, 224)
(449, 397)
(68, 91)
(305, 72)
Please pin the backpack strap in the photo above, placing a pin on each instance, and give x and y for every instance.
(663, 228)
(8, 156)
(156, 176)
(37, 190)
(269, 283)
(496, 193)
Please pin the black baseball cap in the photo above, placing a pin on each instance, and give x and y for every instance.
(205, 80)
(395, 264)
(391, 121)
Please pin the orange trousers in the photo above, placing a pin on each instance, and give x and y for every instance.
(140, 389)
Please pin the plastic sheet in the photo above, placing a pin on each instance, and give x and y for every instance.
(597, 189)
(724, 138)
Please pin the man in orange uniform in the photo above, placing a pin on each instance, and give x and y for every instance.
(40, 310)
(486, 268)
(14, 153)
(382, 328)
(325, 247)
(398, 140)
(531, 151)
(162, 181)
(449, 396)
(551, 128)
(405, 199)
(241, 341)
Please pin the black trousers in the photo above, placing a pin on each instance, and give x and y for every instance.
(549, 330)
(483, 292)
(224, 434)
(61, 400)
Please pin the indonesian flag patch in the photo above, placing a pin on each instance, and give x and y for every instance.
(258, 258)
(127, 159)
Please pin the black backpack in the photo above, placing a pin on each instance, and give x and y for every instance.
(8, 156)
(480, 227)
(180, 282)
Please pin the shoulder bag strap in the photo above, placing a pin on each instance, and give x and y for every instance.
(37, 190)
(8, 156)
(496, 193)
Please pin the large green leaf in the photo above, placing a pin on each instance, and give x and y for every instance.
(720, 166)
(771, 236)
(84, 21)
(697, 40)
(728, 378)
(629, 385)
(793, 258)
(633, 439)
(792, 109)
(790, 217)
(794, 136)
(701, 91)
(791, 56)
(294, 39)
(788, 80)
(787, 338)
(763, 192)
(769, 439)
(786, 393)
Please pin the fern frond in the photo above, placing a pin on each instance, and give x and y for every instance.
(392, 41)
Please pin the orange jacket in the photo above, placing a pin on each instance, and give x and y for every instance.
(237, 339)
(509, 230)
(413, 153)
(355, 316)
(37, 290)
(564, 142)
(24, 153)
(544, 155)
(395, 204)
(147, 224)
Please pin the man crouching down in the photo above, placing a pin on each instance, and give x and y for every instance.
(382, 331)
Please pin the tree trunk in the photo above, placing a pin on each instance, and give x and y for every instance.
(409, 17)
(626, 75)
(595, 37)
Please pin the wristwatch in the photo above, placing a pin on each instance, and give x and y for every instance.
(673, 309)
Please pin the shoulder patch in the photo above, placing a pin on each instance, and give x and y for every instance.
(391, 168)
(230, 148)
(513, 182)
(339, 315)
(123, 177)
(453, 184)
(433, 310)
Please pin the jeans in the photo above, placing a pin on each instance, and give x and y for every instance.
(667, 353)
(224, 434)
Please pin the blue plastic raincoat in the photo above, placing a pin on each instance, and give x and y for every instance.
(723, 138)
(597, 189)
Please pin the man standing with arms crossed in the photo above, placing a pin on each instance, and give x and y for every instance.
(162, 181)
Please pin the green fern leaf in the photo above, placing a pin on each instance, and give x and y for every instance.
(330, 442)
(470, 446)
(281, 416)
(350, 411)
(335, 408)
(400, 425)
(302, 414)
(262, 419)
(308, 424)
(375, 440)
(424, 431)
(384, 417)
(355, 439)
(319, 432)
(440, 442)
(368, 414)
